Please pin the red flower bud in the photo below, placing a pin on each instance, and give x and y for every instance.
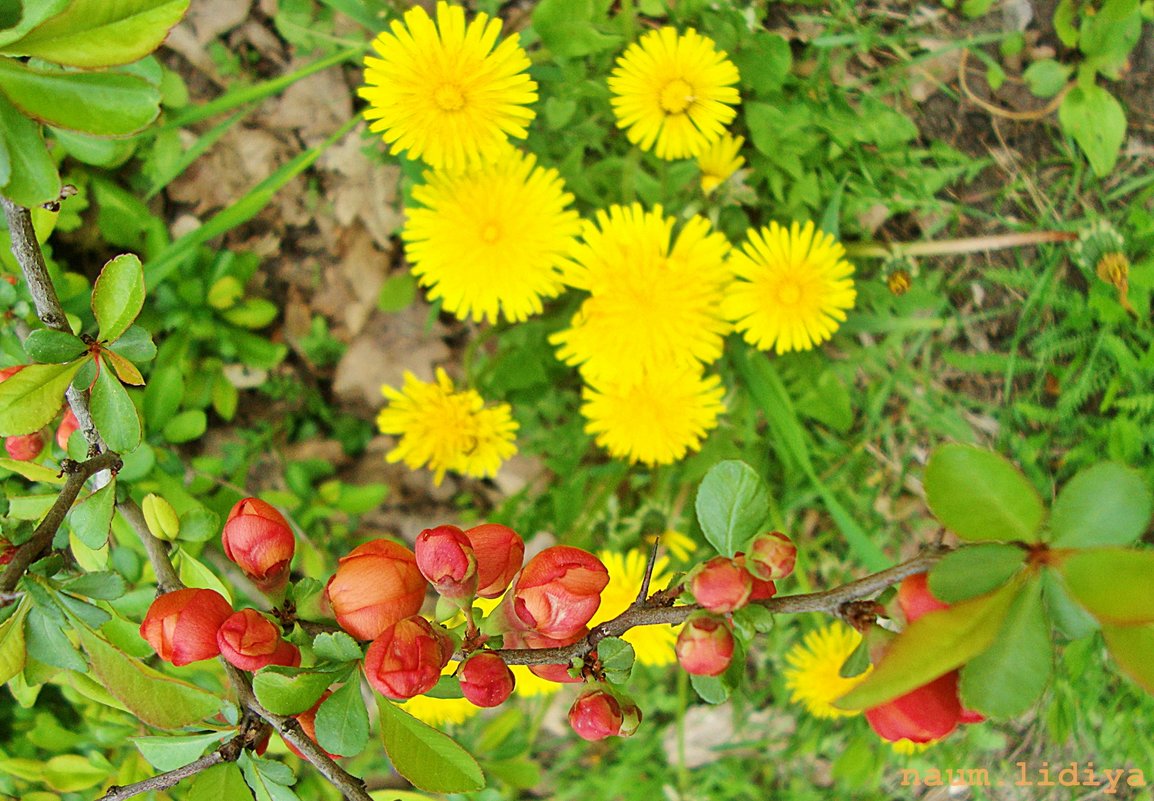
(486, 680)
(770, 556)
(705, 645)
(721, 585)
(68, 424)
(407, 658)
(24, 447)
(597, 714)
(499, 551)
(761, 589)
(376, 585)
(445, 557)
(181, 626)
(7, 551)
(928, 713)
(249, 640)
(559, 591)
(258, 539)
(915, 598)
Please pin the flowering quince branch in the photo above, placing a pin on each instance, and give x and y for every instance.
(229, 751)
(657, 611)
(78, 473)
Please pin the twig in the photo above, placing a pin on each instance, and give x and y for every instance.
(829, 601)
(955, 247)
(1007, 114)
(163, 781)
(166, 578)
(41, 540)
(643, 593)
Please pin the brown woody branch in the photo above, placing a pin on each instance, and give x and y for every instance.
(78, 473)
(229, 751)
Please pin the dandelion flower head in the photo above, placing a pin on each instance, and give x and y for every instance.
(795, 288)
(909, 747)
(654, 299)
(674, 92)
(720, 161)
(443, 429)
(447, 92)
(813, 666)
(655, 417)
(490, 241)
(653, 645)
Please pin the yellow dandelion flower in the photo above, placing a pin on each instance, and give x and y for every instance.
(909, 747)
(674, 91)
(720, 162)
(654, 301)
(440, 711)
(657, 417)
(653, 645)
(796, 291)
(812, 673)
(490, 241)
(443, 92)
(445, 430)
(678, 544)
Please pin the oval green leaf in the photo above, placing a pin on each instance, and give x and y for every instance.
(92, 518)
(1113, 584)
(31, 398)
(12, 650)
(50, 346)
(118, 296)
(290, 691)
(1106, 504)
(342, 722)
(732, 505)
(99, 103)
(219, 783)
(31, 177)
(974, 570)
(1007, 678)
(156, 699)
(430, 760)
(1133, 649)
(932, 646)
(1070, 619)
(114, 413)
(979, 496)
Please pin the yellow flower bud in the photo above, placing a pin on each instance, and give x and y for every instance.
(161, 518)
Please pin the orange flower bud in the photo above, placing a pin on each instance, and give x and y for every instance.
(68, 424)
(249, 640)
(761, 589)
(7, 551)
(445, 557)
(486, 680)
(705, 645)
(375, 586)
(259, 540)
(597, 714)
(181, 626)
(721, 585)
(915, 598)
(24, 447)
(559, 591)
(928, 713)
(499, 551)
(406, 660)
(770, 556)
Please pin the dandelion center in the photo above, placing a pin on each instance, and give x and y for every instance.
(449, 97)
(789, 293)
(677, 96)
(490, 233)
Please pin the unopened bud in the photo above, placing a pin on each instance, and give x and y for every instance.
(161, 518)
(558, 591)
(705, 645)
(68, 424)
(24, 447)
(259, 540)
(499, 551)
(486, 680)
(376, 585)
(720, 585)
(770, 556)
(915, 599)
(182, 625)
(445, 557)
(249, 640)
(598, 714)
(407, 658)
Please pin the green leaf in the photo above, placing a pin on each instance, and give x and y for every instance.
(568, 27)
(219, 783)
(99, 103)
(732, 505)
(101, 33)
(975, 570)
(932, 646)
(186, 426)
(617, 658)
(252, 313)
(46, 641)
(978, 495)
(522, 773)
(764, 63)
(1106, 504)
(92, 517)
(169, 753)
(1096, 121)
(34, 13)
(711, 689)
(125, 370)
(290, 691)
(1047, 77)
(31, 176)
(118, 296)
(156, 699)
(1133, 649)
(199, 524)
(30, 399)
(1069, 618)
(428, 759)
(135, 344)
(114, 413)
(12, 649)
(69, 773)
(104, 585)
(50, 346)
(342, 721)
(162, 396)
(32, 471)
(1007, 679)
(1113, 584)
(336, 647)
(194, 573)
(397, 292)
